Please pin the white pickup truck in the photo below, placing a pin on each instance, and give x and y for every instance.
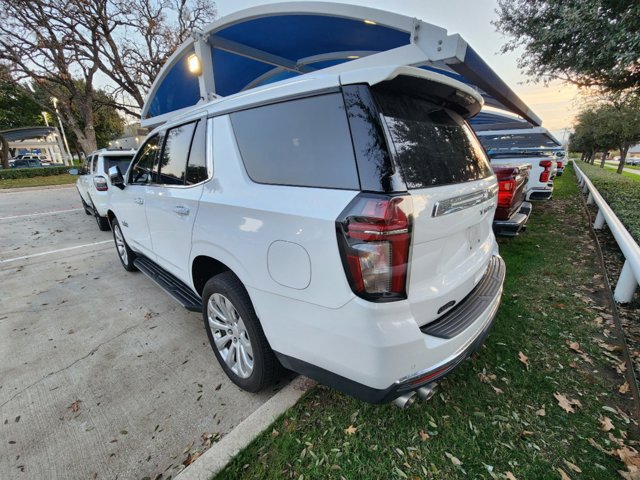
(541, 175)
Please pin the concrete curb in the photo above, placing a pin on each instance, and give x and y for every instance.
(220, 454)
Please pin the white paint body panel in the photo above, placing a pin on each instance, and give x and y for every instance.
(300, 291)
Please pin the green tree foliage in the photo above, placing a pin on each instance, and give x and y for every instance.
(586, 42)
(17, 108)
(614, 124)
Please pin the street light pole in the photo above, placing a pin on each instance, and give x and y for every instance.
(64, 136)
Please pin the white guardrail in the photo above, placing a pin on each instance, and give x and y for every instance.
(630, 274)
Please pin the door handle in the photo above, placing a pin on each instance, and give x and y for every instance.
(181, 210)
(139, 200)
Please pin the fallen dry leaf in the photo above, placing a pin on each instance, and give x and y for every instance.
(565, 403)
(497, 390)
(599, 447)
(541, 412)
(624, 388)
(424, 436)
(350, 430)
(605, 424)
(453, 459)
(510, 476)
(575, 346)
(631, 459)
(487, 378)
(274, 433)
(572, 466)
(526, 433)
(524, 359)
(621, 367)
(563, 474)
(75, 406)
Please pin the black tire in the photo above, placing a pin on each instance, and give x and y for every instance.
(126, 255)
(266, 368)
(103, 222)
(87, 210)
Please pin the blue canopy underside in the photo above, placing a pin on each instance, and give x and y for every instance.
(299, 36)
(294, 39)
(179, 89)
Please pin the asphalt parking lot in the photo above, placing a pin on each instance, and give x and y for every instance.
(102, 375)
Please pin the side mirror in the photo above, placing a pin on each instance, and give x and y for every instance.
(73, 171)
(115, 175)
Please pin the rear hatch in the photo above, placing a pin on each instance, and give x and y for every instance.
(453, 192)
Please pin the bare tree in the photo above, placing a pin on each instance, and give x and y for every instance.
(137, 38)
(66, 46)
(37, 42)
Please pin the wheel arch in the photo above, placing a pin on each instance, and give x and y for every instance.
(204, 267)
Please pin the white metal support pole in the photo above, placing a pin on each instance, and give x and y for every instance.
(627, 284)
(206, 80)
(599, 222)
(590, 199)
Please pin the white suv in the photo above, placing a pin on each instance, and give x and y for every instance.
(93, 183)
(336, 224)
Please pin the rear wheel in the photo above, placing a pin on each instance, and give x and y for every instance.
(103, 222)
(235, 334)
(87, 210)
(126, 255)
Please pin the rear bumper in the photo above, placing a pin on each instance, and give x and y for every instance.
(394, 355)
(515, 224)
(539, 194)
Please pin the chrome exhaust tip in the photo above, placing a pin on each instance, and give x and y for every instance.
(426, 392)
(406, 400)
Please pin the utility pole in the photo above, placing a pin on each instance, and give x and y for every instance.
(64, 136)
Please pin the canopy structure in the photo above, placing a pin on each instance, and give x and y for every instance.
(518, 138)
(45, 140)
(266, 44)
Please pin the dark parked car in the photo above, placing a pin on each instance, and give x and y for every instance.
(27, 163)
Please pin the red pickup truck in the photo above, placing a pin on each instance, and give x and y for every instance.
(512, 212)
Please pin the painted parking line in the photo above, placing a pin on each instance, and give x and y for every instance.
(50, 212)
(26, 257)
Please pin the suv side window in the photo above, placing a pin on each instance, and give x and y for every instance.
(197, 166)
(304, 142)
(173, 161)
(142, 171)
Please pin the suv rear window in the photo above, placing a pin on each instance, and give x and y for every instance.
(303, 142)
(434, 145)
(120, 161)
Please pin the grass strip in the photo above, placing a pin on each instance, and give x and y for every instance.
(622, 193)
(496, 414)
(38, 181)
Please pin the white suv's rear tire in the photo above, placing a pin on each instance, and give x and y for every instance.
(125, 254)
(235, 334)
(103, 223)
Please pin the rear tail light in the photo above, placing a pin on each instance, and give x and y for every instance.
(374, 237)
(506, 189)
(101, 183)
(544, 176)
(560, 163)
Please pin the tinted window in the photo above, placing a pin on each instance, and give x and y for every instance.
(302, 142)
(142, 171)
(120, 161)
(173, 162)
(434, 146)
(197, 166)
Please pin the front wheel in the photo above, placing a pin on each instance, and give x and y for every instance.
(126, 255)
(235, 334)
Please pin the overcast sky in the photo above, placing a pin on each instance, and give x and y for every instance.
(472, 20)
